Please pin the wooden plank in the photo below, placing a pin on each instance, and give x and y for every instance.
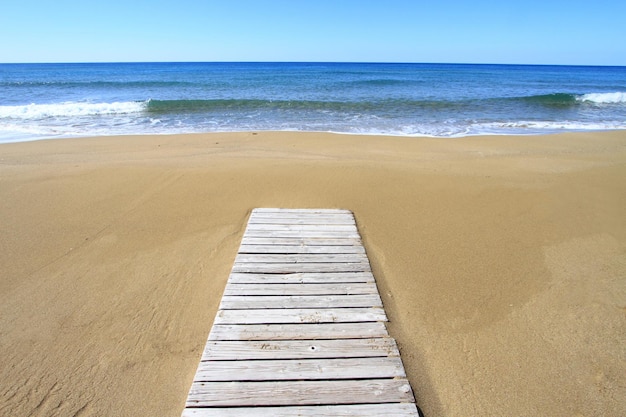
(293, 249)
(273, 393)
(264, 240)
(283, 211)
(301, 258)
(298, 234)
(240, 302)
(233, 332)
(300, 212)
(300, 315)
(307, 215)
(303, 220)
(303, 228)
(287, 268)
(300, 215)
(301, 289)
(308, 369)
(230, 350)
(352, 410)
(301, 278)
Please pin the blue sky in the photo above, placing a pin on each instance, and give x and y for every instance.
(477, 31)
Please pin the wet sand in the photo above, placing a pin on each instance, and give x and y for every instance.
(501, 262)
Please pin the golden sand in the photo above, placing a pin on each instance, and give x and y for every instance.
(501, 262)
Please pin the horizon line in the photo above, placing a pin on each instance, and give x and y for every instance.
(305, 62)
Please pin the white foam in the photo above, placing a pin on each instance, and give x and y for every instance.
(604, 98)
(70, 109)
(531, 127)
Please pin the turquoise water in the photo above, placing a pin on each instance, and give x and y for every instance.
(447, 100)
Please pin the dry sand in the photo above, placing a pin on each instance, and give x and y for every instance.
(501, 262)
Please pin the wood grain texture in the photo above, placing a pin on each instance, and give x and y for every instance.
(243, 302)
(301, 289)
(300, 315)
(301, 249)
(357, 410)
(299, 349)
(301, 241)
(301, 278)
(298, 331)
(307, 369)
(288, 268)
(301, 258)
(275, 393)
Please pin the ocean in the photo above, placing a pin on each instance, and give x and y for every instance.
(39, 101)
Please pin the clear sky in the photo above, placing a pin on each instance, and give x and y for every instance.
(590, 32)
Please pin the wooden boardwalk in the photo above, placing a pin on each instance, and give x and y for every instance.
(300, 329)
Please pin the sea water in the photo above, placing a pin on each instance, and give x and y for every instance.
(443, 100)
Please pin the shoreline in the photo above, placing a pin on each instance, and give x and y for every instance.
(321, 132)
(500, 262)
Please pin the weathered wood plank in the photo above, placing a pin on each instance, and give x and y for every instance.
(302, 220)
(301, 227)
(306, 211)
(287, 268)
(299, 349)
(299, 234)
(301, 278)
(287, 215)
(306, 222)
(299, 315)
(265, 240)
(294, 249)
(301, 289)
(242, 302)
(299, 392)
(307, 215)
(357, 410)
(308, 369)
(301, 258)
(233, 332)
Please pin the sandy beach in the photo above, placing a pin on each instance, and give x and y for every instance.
(501, 262)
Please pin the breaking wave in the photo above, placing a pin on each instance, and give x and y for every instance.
(604, 98)
(70, 109)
